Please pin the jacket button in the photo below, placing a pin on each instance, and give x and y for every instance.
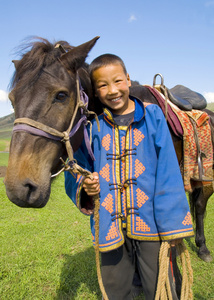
(123, 158)
(125, 185)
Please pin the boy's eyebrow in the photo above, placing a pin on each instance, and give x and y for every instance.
(100, 80)
(114, 77)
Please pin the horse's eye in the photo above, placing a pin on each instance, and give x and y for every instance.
(61, 97)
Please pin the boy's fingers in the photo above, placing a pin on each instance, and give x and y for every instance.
(92, 187)
(92, 192)
(95, 179)
(90, 184)
(95, 188)
(89, 181)
(87, 211)
(95, 175)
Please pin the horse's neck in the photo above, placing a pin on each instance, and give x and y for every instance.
(141, 92)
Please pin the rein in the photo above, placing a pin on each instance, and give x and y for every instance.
(40, 129)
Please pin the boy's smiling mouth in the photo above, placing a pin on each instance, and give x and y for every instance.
(115, 99)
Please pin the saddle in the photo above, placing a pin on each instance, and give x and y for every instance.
(182, 97)
(186, 99)
(186, 107)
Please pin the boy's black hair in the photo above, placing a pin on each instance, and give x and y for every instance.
(104, 60)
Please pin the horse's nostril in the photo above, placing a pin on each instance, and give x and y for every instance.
(30, 186)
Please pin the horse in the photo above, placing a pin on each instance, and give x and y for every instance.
(44, 94)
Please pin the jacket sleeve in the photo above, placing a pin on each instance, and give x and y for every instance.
(171, 207)
(74, 183)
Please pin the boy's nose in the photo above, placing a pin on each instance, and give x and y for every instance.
(112, 89)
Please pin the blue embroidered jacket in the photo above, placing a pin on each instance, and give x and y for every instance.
(141, 185)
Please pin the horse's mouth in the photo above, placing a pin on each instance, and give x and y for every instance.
(28, 202)
(37, 204)
(28, 195)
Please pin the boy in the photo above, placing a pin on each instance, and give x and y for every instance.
(136, 173)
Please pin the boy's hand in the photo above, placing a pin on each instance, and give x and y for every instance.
(92, 187)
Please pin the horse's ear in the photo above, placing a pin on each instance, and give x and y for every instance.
(15, 62)
(75, 58)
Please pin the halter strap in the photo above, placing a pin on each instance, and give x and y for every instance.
(40, 129)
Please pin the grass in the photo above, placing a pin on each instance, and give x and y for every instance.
(210, 106)
(47, 254)
(5, 134)
(4, 159)
(4, 145)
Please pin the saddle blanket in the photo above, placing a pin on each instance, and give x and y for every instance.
(187, 125)
(195, 125)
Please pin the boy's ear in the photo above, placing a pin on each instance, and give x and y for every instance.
(128, 80)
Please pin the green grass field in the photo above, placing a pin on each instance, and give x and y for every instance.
(5, 135)
(47, 253)
(210, 106)
(4, 159)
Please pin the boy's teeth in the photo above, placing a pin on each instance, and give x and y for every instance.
(115, 99)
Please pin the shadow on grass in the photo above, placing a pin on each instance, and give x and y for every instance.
(199, 297)
(78, 278)
(192, 245)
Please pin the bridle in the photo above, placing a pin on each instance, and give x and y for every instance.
(40, 129)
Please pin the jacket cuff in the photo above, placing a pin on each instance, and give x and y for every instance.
(86, 203)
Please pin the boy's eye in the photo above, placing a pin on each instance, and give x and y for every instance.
(101, 85)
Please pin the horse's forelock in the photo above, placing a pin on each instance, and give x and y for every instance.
(37, 55)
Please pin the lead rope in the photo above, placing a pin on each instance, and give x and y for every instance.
(163, 291)
(96, 200)
(97, 253)
(73, 168)
(77, 169)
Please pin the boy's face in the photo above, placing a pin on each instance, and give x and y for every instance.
(112, 88)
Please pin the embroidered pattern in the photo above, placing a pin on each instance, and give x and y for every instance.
(201, 122)
(187, 220)
(108, 203)
(106, 140)
(122, 160)
(104, 172)
(123, 177)
(139, 168)
(141, 225)
(141, 197)
(138, 136)
(123, 139)
(112, 234)
(124, 203)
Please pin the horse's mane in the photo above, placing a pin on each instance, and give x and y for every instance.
(35, 55)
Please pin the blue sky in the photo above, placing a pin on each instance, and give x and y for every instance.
(171, 37)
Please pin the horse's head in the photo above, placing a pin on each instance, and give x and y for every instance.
(44, 91)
